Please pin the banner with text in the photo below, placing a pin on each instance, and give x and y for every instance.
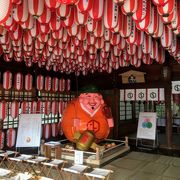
(29, 130)
(147, 125)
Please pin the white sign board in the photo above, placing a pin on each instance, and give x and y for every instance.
(175, 87)
(140, 94)
(152, 94)
(129, 94)
(147, 125)
(78, 157)
(29, 130)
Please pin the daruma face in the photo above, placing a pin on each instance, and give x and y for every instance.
(91, 101)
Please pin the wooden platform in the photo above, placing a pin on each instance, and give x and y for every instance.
(97, 159)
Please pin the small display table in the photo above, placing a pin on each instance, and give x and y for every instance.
(52, 149)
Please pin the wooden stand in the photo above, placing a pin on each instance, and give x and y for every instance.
(52, 151)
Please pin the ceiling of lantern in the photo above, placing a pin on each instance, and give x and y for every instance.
(82, 36)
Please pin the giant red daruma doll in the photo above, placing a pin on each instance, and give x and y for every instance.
(87, 113)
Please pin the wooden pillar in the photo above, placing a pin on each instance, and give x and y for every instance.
(116, 114)
(168, 111)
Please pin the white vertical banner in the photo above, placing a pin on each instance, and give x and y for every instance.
(161, 94)
(29, 130)
(152, 94)
(140, 94)
(147, 125)
(78, 157)
(175, 87)
(129, 94)
(122, 95)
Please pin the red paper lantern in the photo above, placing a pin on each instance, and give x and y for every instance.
(40, 82)
(3, 109)
(14, 111)
(111, 11)
(7, 80)
(5, 9)
(11, 137)
(18, 81)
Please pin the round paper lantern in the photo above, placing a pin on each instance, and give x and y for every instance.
(70, 19)
(47, 131)
(20, 12)
(84, 5)
(138, 64)
(146, 59)
(11, 137)
(62, 85)
(167, 8)
(52, 4)
(33, 108)
(25, 106)
(129, 7)
(2, 138)
(110, 14)
(7, 80)
(47, 107)
(54, 127)
(16, 34)
(27, 38)
(96, 12)
(134, 60)
(159, 29)
(68, 85)
(18, 81)
(54, 107)
(131, 49)
(5, 8)
(55, 84)
(147, 44)
(28, 82)
(99, 43)
(40, 82)
(80, 18)
(14, 111)
(40, 107)
(166, 38)
(55, 22)
(154, 51)
(45, 16)
(154, 22)
(91, 24)
(141, 11)
(115, 39)
(29, 23)
(10, 23)
(3, 110)
(36, 7)
(63, 11)
(125, 31)
(160, 56)
(145, 22)
(91, 39)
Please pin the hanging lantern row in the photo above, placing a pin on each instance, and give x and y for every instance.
(46, 83)
(51, 130)
(10, 138)
(61, 35)
(45, 107)
(48, 131)
(19, 81)
(54, 84)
